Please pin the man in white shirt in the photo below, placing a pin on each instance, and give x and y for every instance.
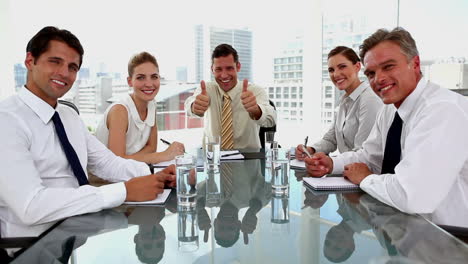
(250, 105)
(39, 183)
(431, 174)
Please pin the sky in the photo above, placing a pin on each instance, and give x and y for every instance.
(111, 31)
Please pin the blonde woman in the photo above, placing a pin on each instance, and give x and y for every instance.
(129, 128)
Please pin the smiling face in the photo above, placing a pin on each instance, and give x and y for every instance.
(225, 71)
(343, 73)
(53, 73)
(391, 75)
(145, 81)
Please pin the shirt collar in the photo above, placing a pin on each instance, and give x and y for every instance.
(150, 116)
(42, 109)
(235, 91)
(410, 102)
(358, 91)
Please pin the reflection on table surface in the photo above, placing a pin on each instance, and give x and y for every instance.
(238, 220)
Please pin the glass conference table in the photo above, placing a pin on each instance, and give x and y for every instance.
(245, 223)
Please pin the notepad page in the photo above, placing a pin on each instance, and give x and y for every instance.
(160, 200)
(330, 183)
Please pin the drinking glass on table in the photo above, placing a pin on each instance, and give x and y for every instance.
(269, 139)
(186, 173)
(279, 170)
(212, 146)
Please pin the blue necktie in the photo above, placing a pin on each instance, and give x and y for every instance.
(69, 151)
(392, 153)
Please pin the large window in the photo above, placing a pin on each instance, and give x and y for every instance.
(182, 40)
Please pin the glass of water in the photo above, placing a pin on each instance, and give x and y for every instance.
(186, 167)
(212, 146)
(279, 171)
(269, 138)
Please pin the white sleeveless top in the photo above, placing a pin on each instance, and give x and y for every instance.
(138, 131)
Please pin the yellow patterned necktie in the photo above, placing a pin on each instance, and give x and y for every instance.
(227, 132)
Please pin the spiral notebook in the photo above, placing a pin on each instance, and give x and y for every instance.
(330, 184)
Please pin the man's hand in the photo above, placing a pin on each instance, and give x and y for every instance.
(146, 188)
(202, 101)
(319, 165)
(356, 172)
(300, 154)
(249, 101)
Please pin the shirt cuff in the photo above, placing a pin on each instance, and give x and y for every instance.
(113, 194)
(338, 165)
(367, 181)
(262, 116)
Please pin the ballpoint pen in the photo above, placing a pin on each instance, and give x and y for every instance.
(165, 141)
(305, 141)
(168, 143)
(306, 151)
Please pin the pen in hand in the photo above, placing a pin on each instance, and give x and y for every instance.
(305, 141)
(165, 141)
(304, 148)
(168, 143)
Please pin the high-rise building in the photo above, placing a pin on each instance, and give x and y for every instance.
(20, 76)
(181, 74)
(83, 74)
(347, 30)
(207, 38)
(286, 91)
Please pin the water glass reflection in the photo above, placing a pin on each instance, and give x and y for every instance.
(187, 228)
(213, 188)
(186, 180)
(280, 209)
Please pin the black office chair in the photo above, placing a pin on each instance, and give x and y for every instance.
(70, 104)
(457, 231)
(14, 242)
(262, 131)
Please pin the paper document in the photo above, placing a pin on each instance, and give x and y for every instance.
(297, 164)
(164, 164)
(231, 155)
(160, 200)
(330, 183)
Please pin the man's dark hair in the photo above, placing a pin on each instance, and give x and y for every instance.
(40, 42)
(223, 50)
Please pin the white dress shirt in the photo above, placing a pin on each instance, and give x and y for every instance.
(432, 176)
(245, 128)
(138, 131)
(353, 122)
(37, 184)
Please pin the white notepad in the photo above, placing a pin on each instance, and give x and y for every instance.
(160, 200)
(297, 164)
(330, 184)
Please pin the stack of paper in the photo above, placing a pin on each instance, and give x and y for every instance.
(297, 164)
(160, 200)
(330, 184)
(231, 155)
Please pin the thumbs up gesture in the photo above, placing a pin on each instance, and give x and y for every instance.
(202, 101)
(250, 102)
